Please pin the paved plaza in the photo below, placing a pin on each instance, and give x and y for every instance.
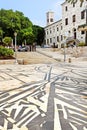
(43, 96)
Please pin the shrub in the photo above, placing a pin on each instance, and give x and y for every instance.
(7, 41)
(6, 52)
(81, 44)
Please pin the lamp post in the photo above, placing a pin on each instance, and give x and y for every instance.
(15, 34)
(65, 37)
(86, 25)
(65, 49)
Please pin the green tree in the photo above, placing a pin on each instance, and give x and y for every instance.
(1, 34)
(39, 34)
(11, 22)
(26, 35)
(30, 39)
(7, 41)
(5, 52)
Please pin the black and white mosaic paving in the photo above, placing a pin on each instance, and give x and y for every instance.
(56, 101)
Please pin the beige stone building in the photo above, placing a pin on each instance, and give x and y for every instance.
(73, 16)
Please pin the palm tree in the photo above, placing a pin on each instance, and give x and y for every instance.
(74, 1)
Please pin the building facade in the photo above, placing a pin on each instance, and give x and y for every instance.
(72, 17)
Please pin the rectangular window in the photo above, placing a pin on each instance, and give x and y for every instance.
(57, 29)
(57, 38)
(51, 19)
(47, 32)
(61, 37)
(66, 9)
(47, 41)
(74, 18)
(82, 14)
(47, 20)
(50, 31)
(53, 28)
(66, 21)
(73, 4)
(50, 40)
(82, 32)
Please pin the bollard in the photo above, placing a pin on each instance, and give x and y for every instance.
(69, 60)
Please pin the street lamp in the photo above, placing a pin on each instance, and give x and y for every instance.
(66, 36)
(15, 34)
(65, 49)
(86, 24)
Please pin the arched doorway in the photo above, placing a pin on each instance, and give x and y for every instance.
(84, 28)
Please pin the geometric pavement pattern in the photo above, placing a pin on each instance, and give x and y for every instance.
(57, 101)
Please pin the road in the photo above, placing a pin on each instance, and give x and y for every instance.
(43, 97)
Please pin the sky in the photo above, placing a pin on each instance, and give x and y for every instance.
(35, 10)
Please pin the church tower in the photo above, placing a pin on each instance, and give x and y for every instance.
(50, 17)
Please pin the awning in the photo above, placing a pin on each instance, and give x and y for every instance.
(82, 27)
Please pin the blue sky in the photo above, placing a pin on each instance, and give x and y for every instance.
(35, 10)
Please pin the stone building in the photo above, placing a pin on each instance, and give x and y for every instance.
(73, 16)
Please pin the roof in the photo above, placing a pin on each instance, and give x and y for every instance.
(53, 23)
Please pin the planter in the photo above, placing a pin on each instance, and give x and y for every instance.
(9, 61)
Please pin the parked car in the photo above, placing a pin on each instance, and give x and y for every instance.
(38, 46)
(23, 48)
(47, 46)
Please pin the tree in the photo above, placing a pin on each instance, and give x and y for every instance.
(26, 35)
(74, 1)
(39, 34)
(7, 41)
(30, 39)
(1, 35)
(11, 22)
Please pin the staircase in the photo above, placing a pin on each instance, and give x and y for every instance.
(72, 40)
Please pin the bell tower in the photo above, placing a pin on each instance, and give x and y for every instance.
(50, 17)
